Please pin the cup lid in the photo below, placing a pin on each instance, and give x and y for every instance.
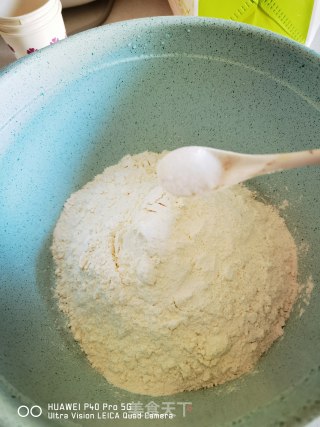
(44, 8)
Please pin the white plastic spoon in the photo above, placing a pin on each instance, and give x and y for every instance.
(192, 170)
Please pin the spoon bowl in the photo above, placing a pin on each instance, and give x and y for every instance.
(191, 170)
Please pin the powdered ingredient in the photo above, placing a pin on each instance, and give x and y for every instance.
(168, 294)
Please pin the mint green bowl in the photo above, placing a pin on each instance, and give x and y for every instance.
(69, 111)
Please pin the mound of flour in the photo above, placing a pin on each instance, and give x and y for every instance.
(167, 294)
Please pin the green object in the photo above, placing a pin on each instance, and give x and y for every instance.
(72, 109)
(290, 18)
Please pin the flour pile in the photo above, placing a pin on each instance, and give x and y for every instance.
(167, 294)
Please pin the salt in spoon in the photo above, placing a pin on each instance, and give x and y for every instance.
(192, 170)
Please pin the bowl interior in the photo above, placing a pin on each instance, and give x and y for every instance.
(150, 85)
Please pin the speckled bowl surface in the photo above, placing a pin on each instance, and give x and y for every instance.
(69, 111)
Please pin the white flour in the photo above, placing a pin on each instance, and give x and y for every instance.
(168, 294)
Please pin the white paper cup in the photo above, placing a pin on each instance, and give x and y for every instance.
(27, 26)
